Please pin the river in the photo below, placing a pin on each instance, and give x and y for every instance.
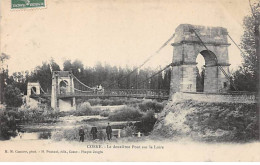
(37, 131)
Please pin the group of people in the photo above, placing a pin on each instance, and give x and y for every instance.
(98, 89)
(94, 132)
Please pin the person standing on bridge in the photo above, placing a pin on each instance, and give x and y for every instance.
(81, 134)
(109, 131)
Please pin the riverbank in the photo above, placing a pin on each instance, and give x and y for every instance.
(207, 121)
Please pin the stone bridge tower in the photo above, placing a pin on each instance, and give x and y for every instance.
(186, 48)
(62, 93)
(33, 88)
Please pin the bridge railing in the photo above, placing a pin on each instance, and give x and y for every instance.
(120, 92)
(40, 95)
(131, 92)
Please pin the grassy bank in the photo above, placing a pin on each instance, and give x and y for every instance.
(208, 121)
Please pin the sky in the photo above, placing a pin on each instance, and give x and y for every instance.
(117, 32)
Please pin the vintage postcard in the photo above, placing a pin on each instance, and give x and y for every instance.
(129, 81)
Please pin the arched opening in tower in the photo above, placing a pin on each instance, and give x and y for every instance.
(204, 59)
(33, 90)
(63, 87)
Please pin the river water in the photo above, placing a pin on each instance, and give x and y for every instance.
(37, 131)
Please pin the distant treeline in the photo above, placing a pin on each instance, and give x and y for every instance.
(101, 74)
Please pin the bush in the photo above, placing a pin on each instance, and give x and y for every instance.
(37, 115)
(126, 114)
(85, 106)
(110, 101)
(151, 105)
(7, 125)
(83, 109)
(147, 122)
(13, 96)
(101, 134)
(70, 134)
(94, 101)
(57, 135)
(104, 113)
(73, 134)
(105, 102)
(128, 131)
(133, 101)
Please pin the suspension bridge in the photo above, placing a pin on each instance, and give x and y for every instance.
(189, 41)
(64, 92)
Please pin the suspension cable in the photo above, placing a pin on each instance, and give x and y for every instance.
(148, 59)
(82, 82)
(73, 87)
(81, 90)
(243, 54)
(156, 73)
(42, 90)
(34, 92)
(79, 82)
(220, 67)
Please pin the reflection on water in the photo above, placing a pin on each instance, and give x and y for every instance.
(23, 134)
(32, 135)
(38, 131)
(44, 135)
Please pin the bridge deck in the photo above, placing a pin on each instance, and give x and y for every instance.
(130, 93)
(140, 96)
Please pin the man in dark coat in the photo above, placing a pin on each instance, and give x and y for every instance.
(81, 134)
(94, 131)
(109, 131)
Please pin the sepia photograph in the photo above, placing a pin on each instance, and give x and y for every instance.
(129, 81)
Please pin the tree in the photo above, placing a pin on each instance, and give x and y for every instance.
(243, 80)
(167, 79)
(19, 80)
(43, 74)
(54, 65)
(77, 68)
(13, 96)
(3, 74)
(67, 66)
(200, 80)
(4, 57)
(249, 70)
(251, 44)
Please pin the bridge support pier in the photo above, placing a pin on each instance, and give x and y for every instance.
(212, 44)
(62, 96)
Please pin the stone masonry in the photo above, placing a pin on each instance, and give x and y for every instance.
(187, 47)
(249, 98)
(62, 84)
